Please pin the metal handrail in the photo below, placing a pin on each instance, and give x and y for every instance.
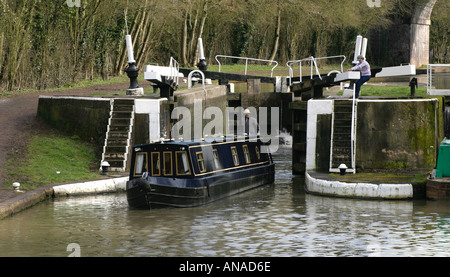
(313, 62)
(246, 62)
(353, 130)
(190, 78)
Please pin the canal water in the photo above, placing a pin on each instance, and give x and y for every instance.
(278, 220)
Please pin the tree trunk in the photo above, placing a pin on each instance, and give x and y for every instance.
(200, 33)
(193, 39)
(277, 36)
(420, 33)
(142, 54)
(184, 41)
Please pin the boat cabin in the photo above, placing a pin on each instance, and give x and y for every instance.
(190, 159)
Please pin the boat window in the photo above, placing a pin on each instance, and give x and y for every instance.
(155, 164)
(246, 153)
(167, 163)
(140, 165)
(182, 163)
(235, 155)
(258, 155)
(201, 162)
(216, 159)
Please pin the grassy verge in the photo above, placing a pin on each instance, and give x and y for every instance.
(390, 91)
(52, 158)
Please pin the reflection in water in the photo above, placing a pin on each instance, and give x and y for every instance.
(274, 220)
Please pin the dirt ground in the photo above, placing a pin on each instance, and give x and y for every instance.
(18, 120)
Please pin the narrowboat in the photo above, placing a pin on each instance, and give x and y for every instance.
(196, 172)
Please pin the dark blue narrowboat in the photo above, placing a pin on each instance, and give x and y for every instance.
(194, 173)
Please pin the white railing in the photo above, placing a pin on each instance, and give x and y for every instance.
(313, 62)
(246, 62)
(174, 70)
(190, 78)
(353, 130)
(431, 89)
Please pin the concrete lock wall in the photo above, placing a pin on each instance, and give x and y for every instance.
(197, 99)
(391, 134)
(398, 134)
(86, 117)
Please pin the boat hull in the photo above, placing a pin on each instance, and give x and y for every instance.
(142, 193)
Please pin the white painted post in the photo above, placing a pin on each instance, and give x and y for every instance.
(364, 47)
(129, 49)
(201, 53)
(357, 49)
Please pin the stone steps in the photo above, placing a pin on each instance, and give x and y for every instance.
(117, 142)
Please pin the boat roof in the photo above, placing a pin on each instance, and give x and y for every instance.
(203, 141)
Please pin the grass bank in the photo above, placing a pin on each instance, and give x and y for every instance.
(51, 158)
(390, 91)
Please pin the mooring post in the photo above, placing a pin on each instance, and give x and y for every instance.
(413, 85)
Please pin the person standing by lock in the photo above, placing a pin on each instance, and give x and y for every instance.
(364, 67)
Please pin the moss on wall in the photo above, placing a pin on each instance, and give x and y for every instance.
(397, 134)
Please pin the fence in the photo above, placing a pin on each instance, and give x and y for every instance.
(246, 62)
(313, 67)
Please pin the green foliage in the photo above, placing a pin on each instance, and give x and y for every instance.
(439, 32)
(47, 44)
